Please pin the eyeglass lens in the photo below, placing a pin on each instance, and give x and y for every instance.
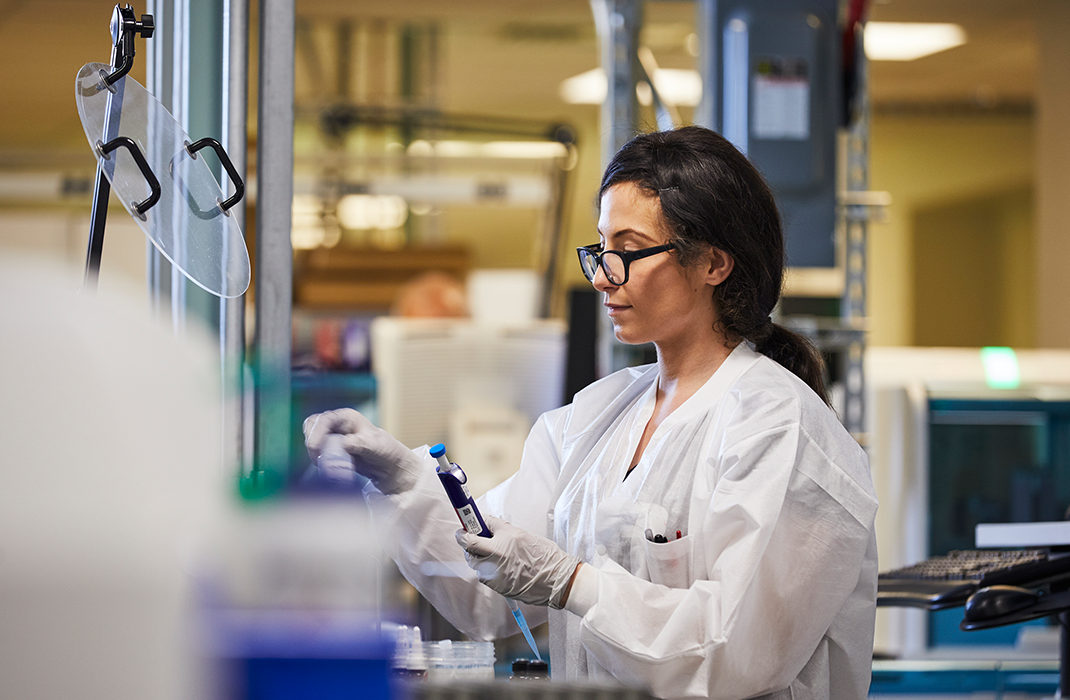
(612, 265)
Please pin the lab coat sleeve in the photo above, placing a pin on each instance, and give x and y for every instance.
(784, 536)
(417, 530)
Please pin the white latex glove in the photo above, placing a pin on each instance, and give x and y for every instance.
(377, 454)
(518, 564)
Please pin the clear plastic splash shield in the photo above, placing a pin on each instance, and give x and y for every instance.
(187, 225)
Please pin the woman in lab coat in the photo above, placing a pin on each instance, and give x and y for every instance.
(699, 527)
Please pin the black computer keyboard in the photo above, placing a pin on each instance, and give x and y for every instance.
(946, 581)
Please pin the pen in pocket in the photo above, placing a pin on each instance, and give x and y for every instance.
(657, 539)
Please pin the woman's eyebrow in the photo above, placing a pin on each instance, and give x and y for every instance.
(628, 232)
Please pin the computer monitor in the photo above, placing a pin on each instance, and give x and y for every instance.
(953, 444)
(477, 387)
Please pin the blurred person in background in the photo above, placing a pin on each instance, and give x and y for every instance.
(431, 295)
(701, 527)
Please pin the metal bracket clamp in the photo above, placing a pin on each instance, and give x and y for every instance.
(124, 27)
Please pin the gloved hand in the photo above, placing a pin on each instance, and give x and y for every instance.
(377, 454)
(518, 564)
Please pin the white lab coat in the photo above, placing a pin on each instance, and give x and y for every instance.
(770, 588)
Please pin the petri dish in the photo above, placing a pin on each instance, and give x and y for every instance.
(187, 225)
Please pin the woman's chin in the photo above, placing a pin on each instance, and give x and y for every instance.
(628, 338)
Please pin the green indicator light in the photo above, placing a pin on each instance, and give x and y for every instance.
(1001, 368)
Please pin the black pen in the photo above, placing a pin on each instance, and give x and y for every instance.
(657, 539)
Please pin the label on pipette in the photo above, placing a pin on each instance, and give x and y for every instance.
(469, 519)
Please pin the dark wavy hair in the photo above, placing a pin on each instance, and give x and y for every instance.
(711, 195)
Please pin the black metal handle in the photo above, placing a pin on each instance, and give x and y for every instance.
(239, 186)
(128, 143)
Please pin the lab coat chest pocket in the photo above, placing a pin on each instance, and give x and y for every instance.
(622, 524)
(669, 563)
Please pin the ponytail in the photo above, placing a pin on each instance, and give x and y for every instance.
(742, 307)
(796, 353)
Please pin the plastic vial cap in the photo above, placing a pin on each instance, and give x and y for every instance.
(417, 658)
(438, 450)
(401, 641)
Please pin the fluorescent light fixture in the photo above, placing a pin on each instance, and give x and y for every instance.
(372, 211)
(1001, 368)
(679, 87)
(588, 88)
(906, 41)
(500, 149)
(644, 94)
(676, 86)
(523, 149)
(490, 149)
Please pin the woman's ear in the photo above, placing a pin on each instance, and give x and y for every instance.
(720, 266)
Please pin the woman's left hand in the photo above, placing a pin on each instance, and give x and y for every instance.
(520, 565)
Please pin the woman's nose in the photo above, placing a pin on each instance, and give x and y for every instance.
(601, 281)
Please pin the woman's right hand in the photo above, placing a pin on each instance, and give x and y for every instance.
(377, 454)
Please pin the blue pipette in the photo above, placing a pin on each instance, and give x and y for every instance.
(515, 607)
(454, 480)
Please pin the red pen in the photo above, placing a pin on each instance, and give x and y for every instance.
(678, 534)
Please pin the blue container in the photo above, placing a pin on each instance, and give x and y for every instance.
(322, 679)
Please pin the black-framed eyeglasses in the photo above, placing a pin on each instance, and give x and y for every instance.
(614, 262)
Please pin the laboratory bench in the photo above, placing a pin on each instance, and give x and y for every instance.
(977, 679)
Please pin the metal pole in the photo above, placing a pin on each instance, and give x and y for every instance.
(706, 114)
(98, 219)
(274, 253)
(232, 311)
(617, 23)
(180, 69)
(102, 186)
(159, 79)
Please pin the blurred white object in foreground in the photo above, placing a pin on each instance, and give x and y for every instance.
(109, 476)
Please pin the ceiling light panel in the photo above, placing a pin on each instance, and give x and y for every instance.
(907, 41)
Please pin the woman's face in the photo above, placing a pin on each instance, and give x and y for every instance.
(661, 302)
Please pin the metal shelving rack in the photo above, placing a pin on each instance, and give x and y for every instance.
(857, 205)
(854, 213)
